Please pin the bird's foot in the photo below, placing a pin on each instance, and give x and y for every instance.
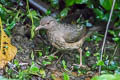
(83, 66)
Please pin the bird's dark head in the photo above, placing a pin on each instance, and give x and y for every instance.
(46, 23)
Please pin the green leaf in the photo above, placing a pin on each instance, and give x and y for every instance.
(69, 2)
(113, 65)
(116, 39)
(96, 38)
(64, 12)
(33, 13)
(88, 53)
(112, 32)
(48, 12)
(40, 53)
(3, 12)
(46, 62)
(11, 25)
(107, 4)
(64, 64)
(34, 69)
(54, 3)
(32, 55)
(42, 72)
(51, 57)
(66, 76)
(100, 63)
(96, 54)
(99, 13)
(81, 1)
(32, 31)
(16, 62)
(8, 32)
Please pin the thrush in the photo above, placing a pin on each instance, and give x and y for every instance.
(65, 36)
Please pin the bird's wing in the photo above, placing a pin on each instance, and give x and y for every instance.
(74, 33)
(69, 46)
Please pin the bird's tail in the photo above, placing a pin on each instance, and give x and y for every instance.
(94, 29)
(98, 28)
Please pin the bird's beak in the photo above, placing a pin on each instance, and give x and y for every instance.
(39, 27)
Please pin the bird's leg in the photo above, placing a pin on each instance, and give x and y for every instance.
(80, 51)
(80, 65)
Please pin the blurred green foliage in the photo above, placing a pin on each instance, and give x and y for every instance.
(8, 17)
(66, 76)
(107, 4)
(72, 2)
(11, 14)
(100, 7)
(107, 77)
(26, 73)
(64, 12)
(2, 78)
(32, 15)
(103, 8)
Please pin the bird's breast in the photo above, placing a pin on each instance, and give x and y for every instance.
(54, 39)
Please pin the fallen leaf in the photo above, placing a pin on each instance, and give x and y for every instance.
(56, 75)
(7, 51)
(87, 78)
(74, 74)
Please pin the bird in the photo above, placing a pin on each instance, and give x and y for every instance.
(65, 36)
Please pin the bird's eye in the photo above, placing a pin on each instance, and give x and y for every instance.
(48, 23)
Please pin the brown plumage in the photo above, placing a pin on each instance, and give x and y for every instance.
(65, 36)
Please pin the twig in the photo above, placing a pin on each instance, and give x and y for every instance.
(116, 47)
(59, 58)
(12, 66)
(107, 27)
